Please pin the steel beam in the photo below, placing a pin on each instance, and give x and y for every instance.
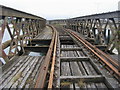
(10, 12)
(108, 15)
(114, 14)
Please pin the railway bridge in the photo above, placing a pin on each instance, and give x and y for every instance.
(76, 53)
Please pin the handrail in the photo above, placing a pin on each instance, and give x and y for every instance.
(22, 27)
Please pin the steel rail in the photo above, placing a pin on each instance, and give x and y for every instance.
(93, 50)
(44, 68)
(109, 58)
(50, 84)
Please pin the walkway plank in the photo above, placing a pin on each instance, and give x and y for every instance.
(21, 72)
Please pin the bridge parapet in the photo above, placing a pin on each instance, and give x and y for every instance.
(102, 28)
(19, 28)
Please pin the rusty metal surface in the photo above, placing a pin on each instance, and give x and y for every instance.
(30, 26)
(101, 29)
(21, 27)
(44, 68)
(75, 64)
(50, 84)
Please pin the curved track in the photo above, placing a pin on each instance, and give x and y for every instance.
(81, 65)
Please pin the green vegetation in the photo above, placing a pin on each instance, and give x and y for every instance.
(65, 83)
(17, 76)
(81, 83)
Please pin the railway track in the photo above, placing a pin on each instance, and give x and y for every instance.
(78, 65)
(49, 61)
(28, 71)
(63, 58)
(70, 62)
(103, 57)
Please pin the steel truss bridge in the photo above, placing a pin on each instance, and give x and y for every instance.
(78, 53)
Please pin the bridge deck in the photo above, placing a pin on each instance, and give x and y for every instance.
(45, 34)
(79, 69)
(25, 69)
(75, 66)
(23, 72)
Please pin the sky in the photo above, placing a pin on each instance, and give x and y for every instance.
(62, 9)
